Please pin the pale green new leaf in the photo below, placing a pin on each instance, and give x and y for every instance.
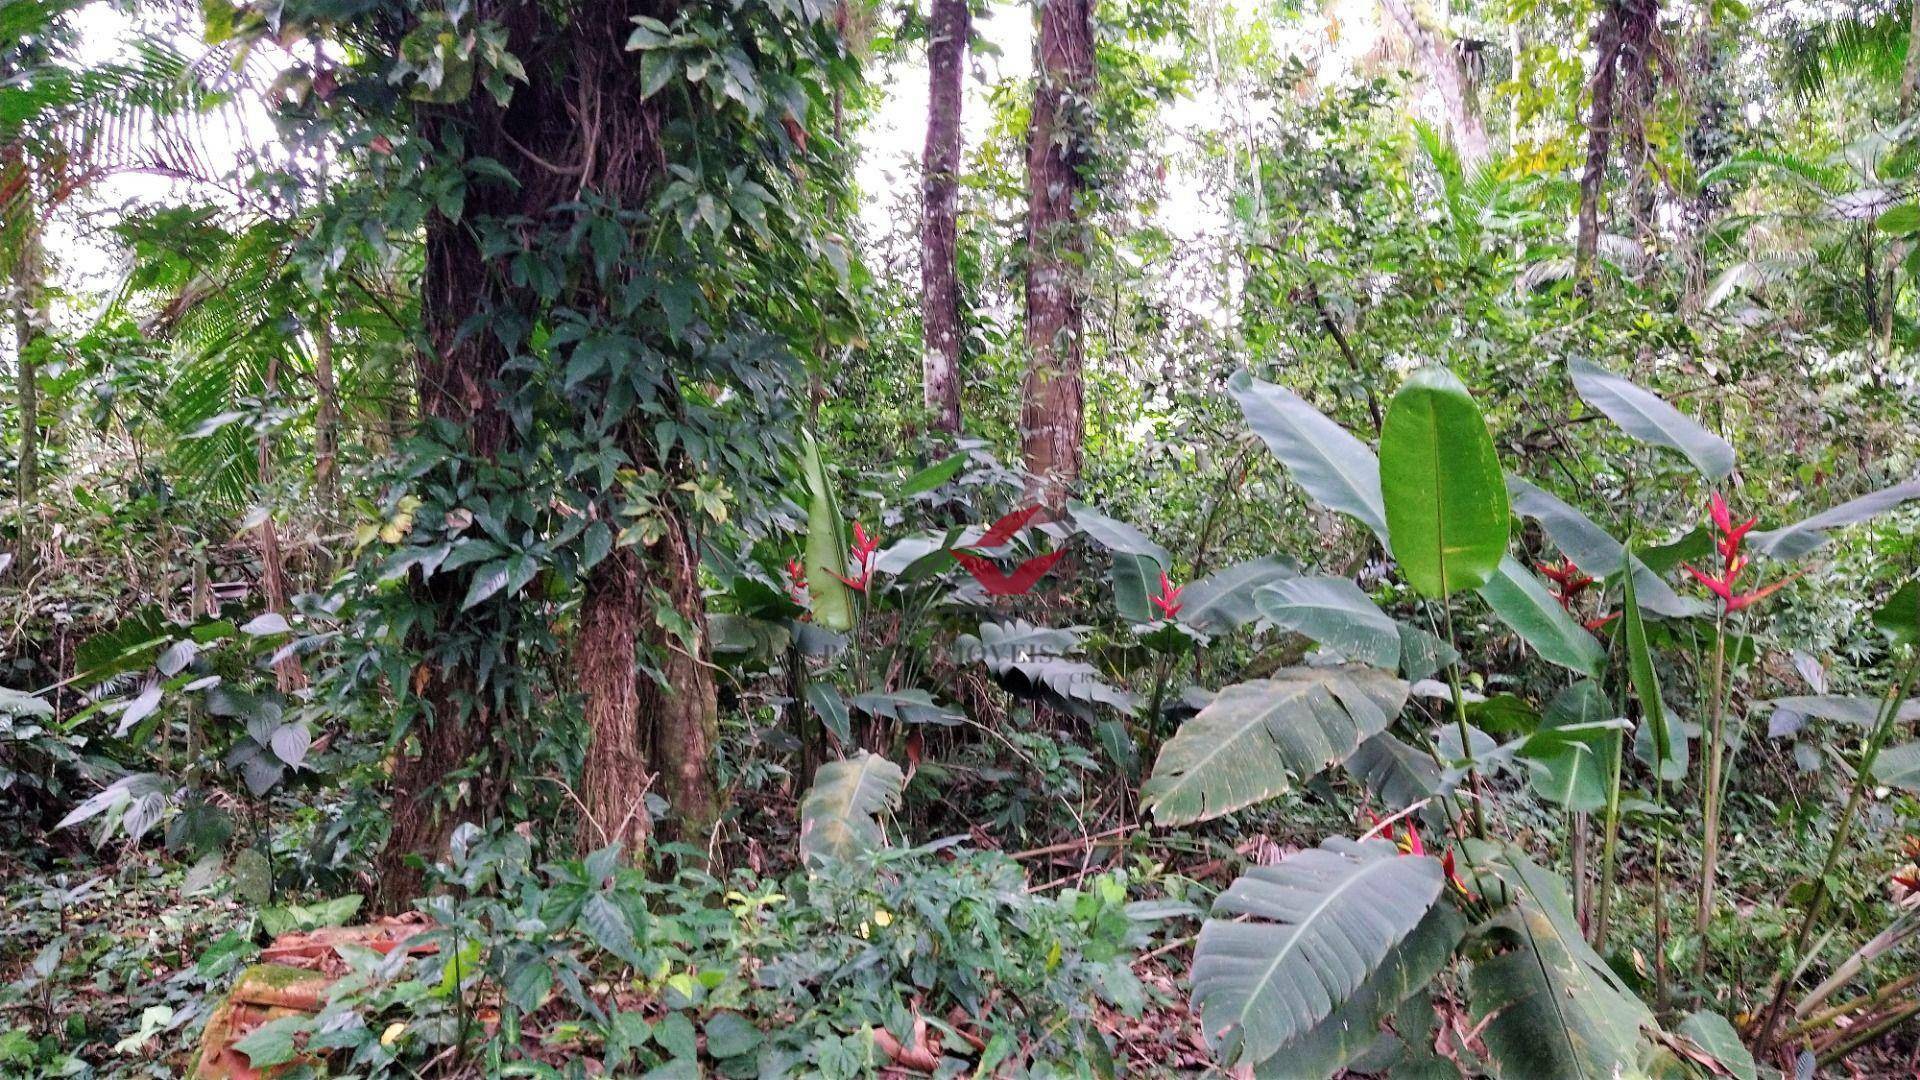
(1321, 922)
(1446, 498)
(839, 817)
(1256, 739)
(831, 600)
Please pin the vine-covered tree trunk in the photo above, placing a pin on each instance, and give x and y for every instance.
(614, 778)
(1447, 73)
(682, 703)
(1052, 417)
(948, 28)
(1593, 178)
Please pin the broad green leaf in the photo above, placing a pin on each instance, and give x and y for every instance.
(1899, 766)
(1712, 1033)
(1646, 688)
(1900, 220)
(1803, 537)
(1135, 577)
(831, 708)
(1397, 774)
(607, 925)
(1322, 921)
(20, 703)
(272, 1043)
(1549, 1005)
(1528, 609)
(1570, 756)
(1337, 470)
(912, 706)
(831, 600)
(1255, 739)
(1898, 618)
(1335, 614)
(1117, 536)
(1354, 1026)
(839, 817)
(933, 476)
(1224, 601)
(1596, 553)
(1645, 416)
(1446, 499)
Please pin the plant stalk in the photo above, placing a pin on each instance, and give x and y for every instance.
(1710, 798)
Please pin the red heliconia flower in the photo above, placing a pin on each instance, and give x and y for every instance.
(1169, 599)
(864, 547)
(1412, 845)
(1453, 876)
(1595, 624)
(797, 581)
(1569, 580)
(998, 583)
(1732, 563)
(1004, 530)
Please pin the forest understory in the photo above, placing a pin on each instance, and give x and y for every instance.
(762, 538)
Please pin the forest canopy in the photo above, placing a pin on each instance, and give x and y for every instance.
(1345, 538)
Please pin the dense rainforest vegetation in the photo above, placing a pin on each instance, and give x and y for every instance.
(752, 538)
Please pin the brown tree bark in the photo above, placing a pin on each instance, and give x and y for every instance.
(1593, 178)
(1447, 73)
(614, 778)
(1052, 417)
(948, 28)
(681, 704)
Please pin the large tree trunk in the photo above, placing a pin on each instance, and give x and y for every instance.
(1446, 72)
(614, 778)
(681, 701)
(1593, 178)
(1052, 418)
(947, 32)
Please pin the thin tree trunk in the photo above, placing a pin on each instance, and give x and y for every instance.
(326, 418)
(1593, 178)
(26, 333)
(1447, 73)
(288, 675)
(948, 28)
(1052, 420)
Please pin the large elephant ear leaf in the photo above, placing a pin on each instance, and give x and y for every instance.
(1317, 926)
(1255, 739)
(1335, 613)
(831, 600)
(1548, 1004)
(1446, 498)
(839, 818)
(1337, 470)
(1643, 415)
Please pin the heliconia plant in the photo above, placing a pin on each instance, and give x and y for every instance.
(1305, 960)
